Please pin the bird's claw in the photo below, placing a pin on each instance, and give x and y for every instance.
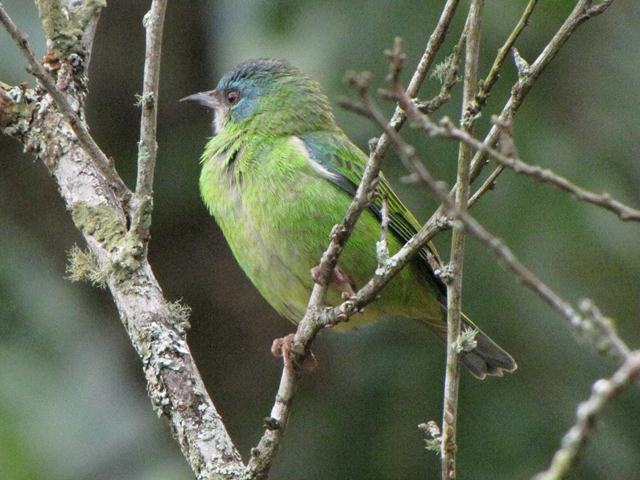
(339, 279)
(283, 347)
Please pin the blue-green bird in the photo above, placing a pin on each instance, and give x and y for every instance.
(279, 173)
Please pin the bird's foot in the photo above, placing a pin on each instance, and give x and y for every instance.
(338, 278)
(283, 347)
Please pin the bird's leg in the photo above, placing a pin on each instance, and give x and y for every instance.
(338, 278)
(283, 347)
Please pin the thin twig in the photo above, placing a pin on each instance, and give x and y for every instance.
(519, 92)
(148, 146)
(77, 125)
(488, 184)
(455, 267)
(590, 325)
(581, 324)
(446, 129)
(587, 415)
(604, 200)
(494, 73)
(450, 78)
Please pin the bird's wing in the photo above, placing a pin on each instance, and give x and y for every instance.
(335, 158)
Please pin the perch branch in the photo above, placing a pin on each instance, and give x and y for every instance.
(262, 455)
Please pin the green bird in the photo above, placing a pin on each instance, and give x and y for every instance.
(279, 173)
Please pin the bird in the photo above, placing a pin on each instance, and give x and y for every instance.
(279, 173)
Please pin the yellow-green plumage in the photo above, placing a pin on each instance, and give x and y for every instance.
(277, 245)
(279, 174)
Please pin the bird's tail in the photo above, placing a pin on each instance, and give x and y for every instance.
(487, 358)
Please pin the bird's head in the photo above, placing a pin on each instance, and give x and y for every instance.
(267, 96)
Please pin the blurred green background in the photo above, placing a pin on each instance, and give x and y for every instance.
(72, 397)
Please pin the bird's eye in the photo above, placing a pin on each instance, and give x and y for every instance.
(232, 97)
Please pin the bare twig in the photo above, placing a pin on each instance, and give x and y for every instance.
(148, 146)
(546, 175)
(492, 77)
(587, 415)
(586, 325)
(488, 184)
(311, 323)
(446, 129)
(580, 13)
(77, 125)
(454, 285)
(449, 79)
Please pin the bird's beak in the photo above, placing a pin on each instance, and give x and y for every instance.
(208, 99)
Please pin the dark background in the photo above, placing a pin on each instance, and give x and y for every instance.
(72, 397)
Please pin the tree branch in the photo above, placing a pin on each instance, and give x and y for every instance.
(455, 267)
(70, 26)
(70, 115)
(437, 222)
(488, 184)
(148, 146)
